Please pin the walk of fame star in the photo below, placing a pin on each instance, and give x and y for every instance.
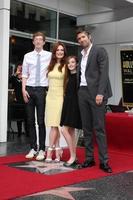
(62, 192)
(51, 168)
(44, 168)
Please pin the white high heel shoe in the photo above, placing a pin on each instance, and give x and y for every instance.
(49, 154)
(58, 154)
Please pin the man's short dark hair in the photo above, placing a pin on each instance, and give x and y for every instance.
(82, 30)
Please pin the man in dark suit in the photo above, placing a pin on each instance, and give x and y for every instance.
(94, 91)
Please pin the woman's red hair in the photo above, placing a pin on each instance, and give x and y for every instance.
(54, 59)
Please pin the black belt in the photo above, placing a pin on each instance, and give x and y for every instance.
(37, 87)
(83, 86)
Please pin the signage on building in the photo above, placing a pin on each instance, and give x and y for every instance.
(127, 77)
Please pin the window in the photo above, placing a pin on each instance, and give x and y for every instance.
(28, 18)
(67, 27)
(72, 49)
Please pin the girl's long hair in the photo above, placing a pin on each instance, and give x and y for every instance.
(67, 74)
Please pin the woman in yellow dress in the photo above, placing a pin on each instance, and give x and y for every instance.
(54, 99)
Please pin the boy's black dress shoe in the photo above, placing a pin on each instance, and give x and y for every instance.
(88, 164)
(105, 167)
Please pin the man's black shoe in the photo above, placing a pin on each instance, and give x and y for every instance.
(105, 167)
(88, 164)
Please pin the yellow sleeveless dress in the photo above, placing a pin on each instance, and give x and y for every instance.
(54, 98)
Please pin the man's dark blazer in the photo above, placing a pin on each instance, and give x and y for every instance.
(96, 73)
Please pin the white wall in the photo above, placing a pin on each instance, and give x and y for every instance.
(114, 37)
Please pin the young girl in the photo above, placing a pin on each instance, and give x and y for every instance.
(70, 118)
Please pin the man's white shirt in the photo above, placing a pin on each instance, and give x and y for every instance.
(83, 65)
(29, 67)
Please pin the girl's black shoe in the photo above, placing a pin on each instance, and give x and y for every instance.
(73, 165)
